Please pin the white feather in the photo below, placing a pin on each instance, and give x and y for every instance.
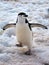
(24, 35)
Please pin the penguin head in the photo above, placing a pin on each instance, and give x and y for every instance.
(22, 17)
(22, 14)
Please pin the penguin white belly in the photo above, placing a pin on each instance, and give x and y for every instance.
(24, 35)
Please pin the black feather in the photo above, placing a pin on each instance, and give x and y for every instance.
(26, 21)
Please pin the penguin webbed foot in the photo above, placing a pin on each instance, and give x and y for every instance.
(19, 45)
(28, 52)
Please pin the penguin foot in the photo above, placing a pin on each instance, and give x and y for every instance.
(19, 45)
(28, 53)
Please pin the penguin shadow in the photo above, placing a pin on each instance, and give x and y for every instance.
(46, 63)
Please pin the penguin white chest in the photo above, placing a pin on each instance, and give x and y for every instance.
(23, 33)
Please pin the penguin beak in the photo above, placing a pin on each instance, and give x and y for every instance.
(26, 15)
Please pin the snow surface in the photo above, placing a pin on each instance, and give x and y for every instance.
(38, 13)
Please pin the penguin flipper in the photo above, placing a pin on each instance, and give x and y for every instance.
(37, 25)
(9, 25)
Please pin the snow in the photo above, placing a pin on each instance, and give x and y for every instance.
(4, 57)
(2, 24)
(37, 11)
(9, 32)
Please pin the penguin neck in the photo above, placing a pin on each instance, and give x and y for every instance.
(21, 20)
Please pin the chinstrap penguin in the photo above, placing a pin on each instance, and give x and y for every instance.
(24, 31)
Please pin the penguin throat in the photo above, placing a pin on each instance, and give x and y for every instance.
(21, 20)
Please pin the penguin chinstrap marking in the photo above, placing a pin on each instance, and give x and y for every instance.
(23, 32)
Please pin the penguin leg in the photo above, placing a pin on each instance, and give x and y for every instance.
(29, 50)
(19, 45)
